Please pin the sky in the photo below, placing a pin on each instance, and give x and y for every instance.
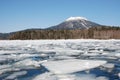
(18, 15)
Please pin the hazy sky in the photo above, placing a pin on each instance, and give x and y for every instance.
(23, 14)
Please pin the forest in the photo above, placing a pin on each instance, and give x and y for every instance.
(100, 32)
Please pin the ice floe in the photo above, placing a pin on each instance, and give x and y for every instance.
(15, 75)
(73, 65)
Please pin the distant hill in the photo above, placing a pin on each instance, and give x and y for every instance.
(5, 35)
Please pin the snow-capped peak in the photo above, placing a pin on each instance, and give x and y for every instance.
(76, 18)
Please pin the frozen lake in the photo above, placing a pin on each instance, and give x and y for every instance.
(80, 59)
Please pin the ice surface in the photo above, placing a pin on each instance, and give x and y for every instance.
(50, 76)
(119, 75)
(27, 63)
(70, 66)
(46, 76)
(102, 78)
(109, 65)
(16, 74)
(63, 59)
(117, 55)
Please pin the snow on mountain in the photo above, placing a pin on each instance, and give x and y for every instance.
(76, 18)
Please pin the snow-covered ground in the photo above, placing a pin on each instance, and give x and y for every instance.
(80, 59)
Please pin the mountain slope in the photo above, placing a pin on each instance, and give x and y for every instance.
(75, 23)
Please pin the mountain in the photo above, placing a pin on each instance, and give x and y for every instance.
(75, 23)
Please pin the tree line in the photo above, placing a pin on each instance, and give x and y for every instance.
(103, 32)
